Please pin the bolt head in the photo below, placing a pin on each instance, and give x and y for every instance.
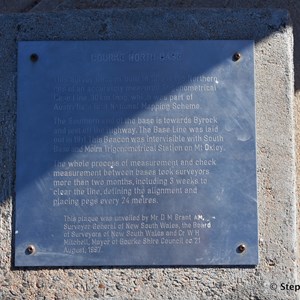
(30, 249)
(34, 57)
(236, 56)
(241, 248)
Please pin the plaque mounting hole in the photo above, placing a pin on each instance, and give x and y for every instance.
(236, 56)
(34, 57)
(241, 248)
(30, 250)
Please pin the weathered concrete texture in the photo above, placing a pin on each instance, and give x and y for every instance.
(272, 32)
(17, 5)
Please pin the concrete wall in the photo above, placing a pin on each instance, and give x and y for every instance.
(276, 105)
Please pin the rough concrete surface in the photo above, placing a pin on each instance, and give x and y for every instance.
(272, 32)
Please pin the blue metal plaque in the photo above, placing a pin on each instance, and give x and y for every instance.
(136, 153)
